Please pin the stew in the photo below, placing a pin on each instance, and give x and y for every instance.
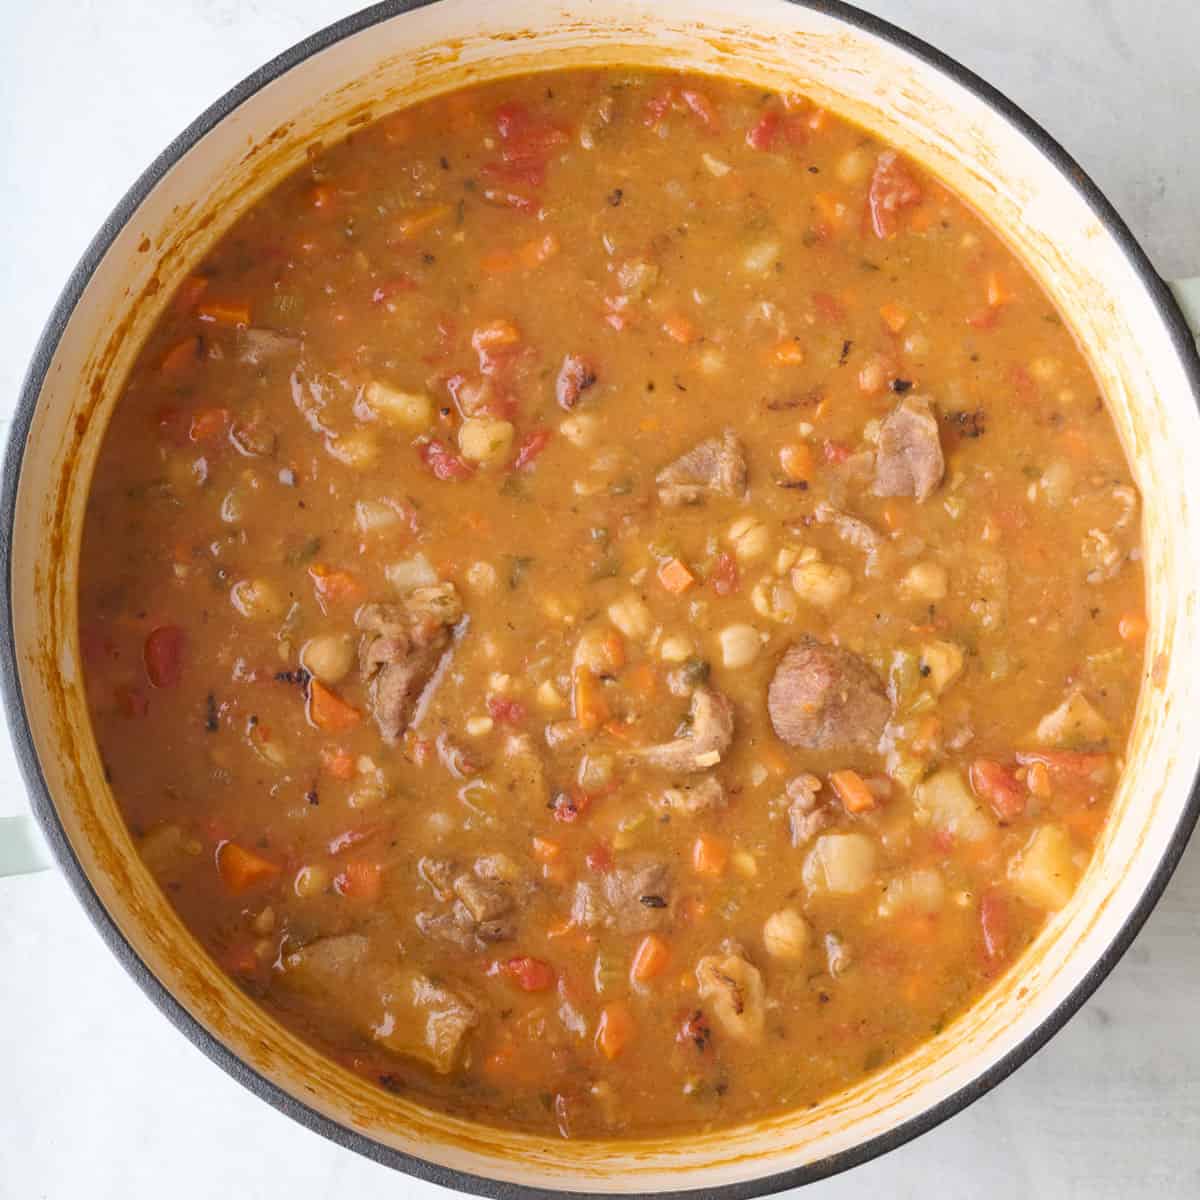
(611, 602)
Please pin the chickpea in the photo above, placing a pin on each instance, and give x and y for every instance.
(740, 645)
(749, 538)
(257, 599)
(328, 656)
(926, 581)
(821, 584)
(786, 934)
(413, 409)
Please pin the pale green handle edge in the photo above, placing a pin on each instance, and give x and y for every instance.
(1187, 296)
(22, 850)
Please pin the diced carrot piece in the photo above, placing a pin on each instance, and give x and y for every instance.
(998, 292)
(328, 711)
(642, 680)
(615, 1030)
(1132, 626)
(679, 329)
(675, 576)
(334, 586)
(590, 707)
(614, 649)
(241, 869)
(545, 850)
(420, 219)
(208, 424)
(337, 761)
(796, 460)
(787, 353)
(894, 317)
(180, 356)
(224, 312)
(650, 959)
(710, 854)
(359, 880)
(852, 791)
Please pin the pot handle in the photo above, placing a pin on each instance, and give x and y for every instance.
(1187, 296)
(22, 851)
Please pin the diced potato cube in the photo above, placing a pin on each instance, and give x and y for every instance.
(1075, 722)
(921, 890)
(412, 409)
(786, 935)
(676, 648)
(740, 645)
(842, 864)
(942, 662)
(1043, 873)
(580, 429)
(749, 538)
(485, 440)
(944, 801)
(359, 449)
(631, 616)
(926, 581)
(821, 584)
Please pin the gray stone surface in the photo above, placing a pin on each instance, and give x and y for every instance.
(99, 1097)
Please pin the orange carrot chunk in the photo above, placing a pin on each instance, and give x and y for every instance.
(241, 869)
(328, 711)
(675, 576)
(615, 1031)
(710, 855)
(650, 959)
(852, 791)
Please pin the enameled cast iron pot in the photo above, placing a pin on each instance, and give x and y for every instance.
(959, 128)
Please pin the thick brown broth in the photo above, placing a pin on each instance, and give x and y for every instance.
(532, 772)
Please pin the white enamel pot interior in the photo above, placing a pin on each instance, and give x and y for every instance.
(953, 124)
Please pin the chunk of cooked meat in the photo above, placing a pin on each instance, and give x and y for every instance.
(711, 719)
(908, 459)
(455, 926)
(806, 815)
(716, 466)
(632, 898)
(575, 376)
(826, 698)
(424, 1020)
(484, 901)
(400, 653)
(438, 874)
(691, 798)
(327, 964)
(733, 989)
(855, 532)
(256, 346)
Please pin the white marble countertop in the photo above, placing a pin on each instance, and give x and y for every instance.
(99, 1096)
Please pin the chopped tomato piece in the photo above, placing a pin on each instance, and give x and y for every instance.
(506, 712)
(893, 188)
(761, 135)
(835, 452)
(724, 575)
(531, 446)
(241, 869)
(599, 859)
(571, 805)
(163, 655)
(531, 974)
(999, 787)
(444, 463)
(702, 106)
(208, 424)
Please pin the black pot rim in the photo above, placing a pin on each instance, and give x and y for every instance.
(47, 816)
